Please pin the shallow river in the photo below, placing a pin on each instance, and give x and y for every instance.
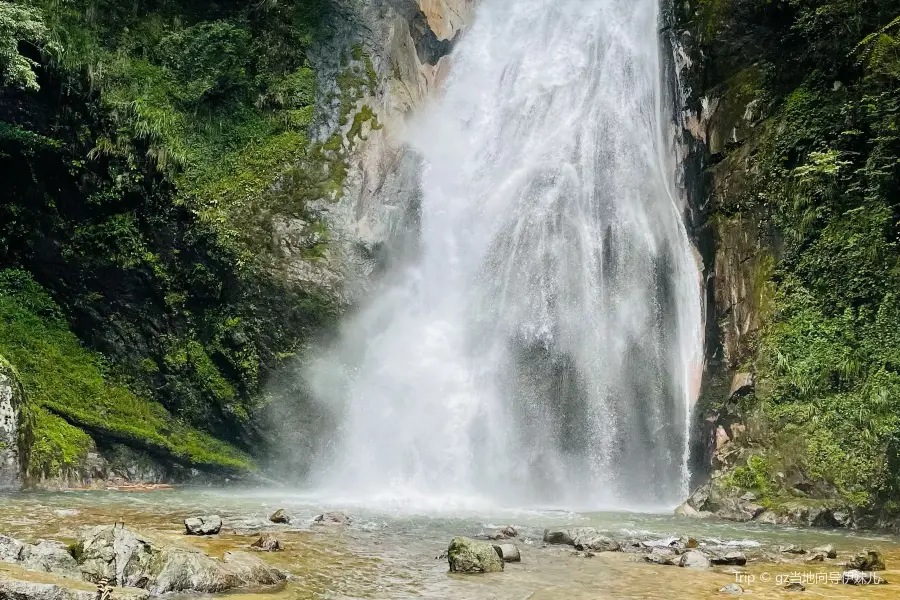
(391, 552)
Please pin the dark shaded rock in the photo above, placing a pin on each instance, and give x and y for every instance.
(871, 560)
(730, 558)
(466, 555)
(694, 559)
(281, 516)
(332, 518)
(209, 525)
(857, 577)
(795, 586)
(267, 543)
(828, 550)
(732, 588)
(508, 552)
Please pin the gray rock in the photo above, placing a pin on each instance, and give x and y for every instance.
(732, 588)
(504, 533)
(267, 543)
(209, 525)
(686, 510)
(332, 518)
(179, 570)
(791, 549)
(115, 553)
(857, 577)
(694, 559)
(815, 557)
(281, 516)
(508, 552)
(16, 589)
(662, 556)
(730, 558)
(50, 557)
(794, 586)
(466, 555)
(10, 549)
(583, 538)
(828, 550)
(870, 560)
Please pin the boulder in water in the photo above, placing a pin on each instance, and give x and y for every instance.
(791, 549)
(662, 556)
(694, 559)
(209, 525)
(828, 550)
(466, 555)
(281, 517)
(508, 552)
(332, 518)
(267, 543)
(583, 538)
(870, 560)
(732, 588)
(736, 559)
(504, 533)
(794, 586)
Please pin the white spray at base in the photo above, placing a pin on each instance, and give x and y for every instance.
(539, 348)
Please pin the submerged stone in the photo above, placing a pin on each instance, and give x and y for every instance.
(694, 559)
(280, 516)
(332, 518)
(267, 543)
(870, 560)
(466, 555)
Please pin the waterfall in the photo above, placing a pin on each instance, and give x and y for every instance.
(539, 345)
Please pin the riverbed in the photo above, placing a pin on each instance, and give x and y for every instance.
(391, 551)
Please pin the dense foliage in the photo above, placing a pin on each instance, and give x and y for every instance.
(824, 182)
(146, 148)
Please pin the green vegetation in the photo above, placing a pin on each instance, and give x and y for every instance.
(66, 386)
(150, 153)
(823, 173)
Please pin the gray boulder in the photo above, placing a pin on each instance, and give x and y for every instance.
(583, 538)
(504, 533)
(49, 557)
(332, 518)
(870, 560)
(209, 525)
(662, 556)
(466, 555)
(737, 559)
(180, 570)
(16, 589)
(10, 549)
(791, 549)
(694, 559)
(115, 553)
(267, 543)
(281, 516)
(508, 552)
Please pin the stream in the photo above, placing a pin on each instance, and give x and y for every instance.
(390, 551)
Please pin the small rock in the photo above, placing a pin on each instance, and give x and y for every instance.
(732, 588)
(690, 542)
(466, 555)
(828, 550)
(583, 538)
(332, 518)
(816, 557)
(267, 543)
(857, 577)
(694, 559)
(795, 586)
(504, 533)
(209, 525)
(686, 510)
(736, 559)
(870, 560)
(791, 549)
(662, 556)
(281, 517)
(508, 552)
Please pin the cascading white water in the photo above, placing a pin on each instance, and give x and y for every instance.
(540, 345)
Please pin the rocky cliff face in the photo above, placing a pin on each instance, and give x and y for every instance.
(12, 398)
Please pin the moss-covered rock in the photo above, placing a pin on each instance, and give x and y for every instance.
(466, 555)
